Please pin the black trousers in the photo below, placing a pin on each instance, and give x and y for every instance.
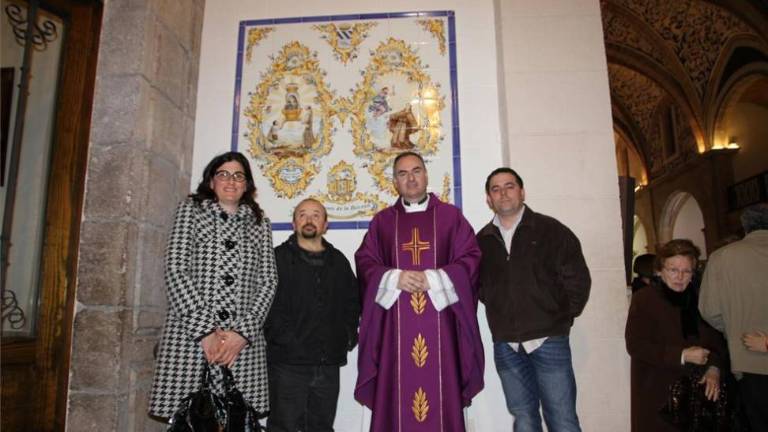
(302, 398)
(754, 393)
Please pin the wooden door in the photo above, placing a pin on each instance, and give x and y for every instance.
(35, 365)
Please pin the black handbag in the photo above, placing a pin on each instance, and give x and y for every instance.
(199, 411)
(239, 414)
(688, 408)
(206, 411)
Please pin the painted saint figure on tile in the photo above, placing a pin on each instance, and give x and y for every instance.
(289, 117)
(402, 125)
(395, 77)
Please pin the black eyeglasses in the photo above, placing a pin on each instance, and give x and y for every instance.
(224, 175)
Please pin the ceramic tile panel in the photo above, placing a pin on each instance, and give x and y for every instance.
(323, 105)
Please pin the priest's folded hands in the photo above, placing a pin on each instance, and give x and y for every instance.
(413, 281)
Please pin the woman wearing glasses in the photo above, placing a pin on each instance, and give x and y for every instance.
(220, 278)
(666, 338)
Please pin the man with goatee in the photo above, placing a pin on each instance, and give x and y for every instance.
(311, 326)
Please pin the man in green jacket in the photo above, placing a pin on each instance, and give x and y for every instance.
(533, 282)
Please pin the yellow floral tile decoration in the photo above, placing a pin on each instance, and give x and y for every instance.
(289, 120)
(345, 39)
(256, 35)
(437, 28)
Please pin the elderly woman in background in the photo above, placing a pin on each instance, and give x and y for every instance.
(220, 278)
(666, 338)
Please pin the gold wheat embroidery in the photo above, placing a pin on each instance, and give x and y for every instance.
(418, 302)
(419, 351)
(420, 405)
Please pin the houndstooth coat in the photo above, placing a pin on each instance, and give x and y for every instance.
(220, 272)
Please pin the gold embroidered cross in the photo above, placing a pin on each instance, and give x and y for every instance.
(415, 247)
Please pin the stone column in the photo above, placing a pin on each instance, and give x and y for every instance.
(138, 169)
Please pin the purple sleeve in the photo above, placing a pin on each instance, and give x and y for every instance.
(463, 271)
(370, 264)
(369, 261)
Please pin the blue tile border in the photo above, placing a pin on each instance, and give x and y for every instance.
(346, 17)
(282, 226)
(376, 16)
(456, 133)
(456, 144)
(321, 18)
(344, 225)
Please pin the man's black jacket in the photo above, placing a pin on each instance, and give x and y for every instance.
(538, 288)
(315, 314)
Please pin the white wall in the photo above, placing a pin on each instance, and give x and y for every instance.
(557, 114)
(640, 239)
(747, 122)
(560, 138)
(689, 224)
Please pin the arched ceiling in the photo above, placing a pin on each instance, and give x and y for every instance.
(674, 53)
(637, 98)
(694, 32)
(636, 94)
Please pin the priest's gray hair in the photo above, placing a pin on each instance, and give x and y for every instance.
(405, 154)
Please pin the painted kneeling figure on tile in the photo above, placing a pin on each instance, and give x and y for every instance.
(402, 125)
(421, 358)
(393, 129)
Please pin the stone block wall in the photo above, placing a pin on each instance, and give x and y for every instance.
(139, 167)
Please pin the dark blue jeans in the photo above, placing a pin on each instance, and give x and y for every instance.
(302, 398)
(542, 378)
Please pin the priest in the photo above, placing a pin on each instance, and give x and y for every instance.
(420, 359)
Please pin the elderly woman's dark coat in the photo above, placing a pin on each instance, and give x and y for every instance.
(655, 341)
(220, 273)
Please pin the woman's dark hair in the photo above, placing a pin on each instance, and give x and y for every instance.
(676, 247)
(204, 190)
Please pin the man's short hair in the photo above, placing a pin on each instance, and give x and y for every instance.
(295, 209)
(755, 218)
(502, 170)
(406, 154)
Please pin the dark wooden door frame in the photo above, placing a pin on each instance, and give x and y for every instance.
(49, 352)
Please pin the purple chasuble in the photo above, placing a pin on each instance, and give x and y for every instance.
(417, 368)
